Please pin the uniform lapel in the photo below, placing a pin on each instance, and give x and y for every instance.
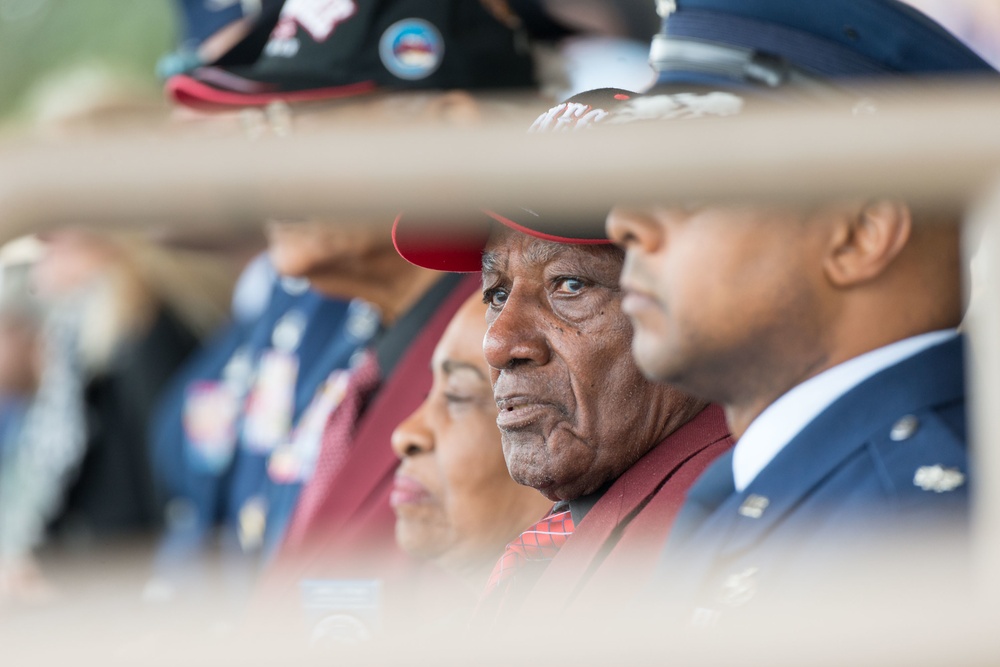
(933, 377)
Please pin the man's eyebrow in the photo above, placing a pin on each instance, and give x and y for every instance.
(538, 252)
(543, 252)
(450, 366)
(493, 262)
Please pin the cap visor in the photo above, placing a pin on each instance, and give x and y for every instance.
(192, 92)
(584, 231)
(452, 247)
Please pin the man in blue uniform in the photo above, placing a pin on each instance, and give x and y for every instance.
(243, 399)
(828, 332)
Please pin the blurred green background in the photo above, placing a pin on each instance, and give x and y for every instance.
(40, 39)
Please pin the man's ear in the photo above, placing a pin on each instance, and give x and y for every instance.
(864, 242)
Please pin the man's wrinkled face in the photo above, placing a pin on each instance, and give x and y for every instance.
(720, 297)
(574, 410)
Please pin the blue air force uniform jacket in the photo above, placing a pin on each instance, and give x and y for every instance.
(327, 334)
(887, 460)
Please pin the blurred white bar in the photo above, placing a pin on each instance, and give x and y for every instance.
(982, 250)
(933, 144)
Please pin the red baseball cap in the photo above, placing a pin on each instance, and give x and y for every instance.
(458, 247)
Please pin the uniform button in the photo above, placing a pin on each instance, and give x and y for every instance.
(904, 428)
(753, 507)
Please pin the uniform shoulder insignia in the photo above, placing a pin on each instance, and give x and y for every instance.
(921, 452)
(938, 479)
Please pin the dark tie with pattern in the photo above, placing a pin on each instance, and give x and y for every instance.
(533, 548)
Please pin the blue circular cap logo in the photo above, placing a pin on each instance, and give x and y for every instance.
(411, 49)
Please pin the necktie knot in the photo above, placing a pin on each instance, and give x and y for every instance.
(538, 544)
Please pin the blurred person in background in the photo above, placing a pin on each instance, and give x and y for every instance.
(258, 393)
(336, 520)
(21, 358)
(123, 314)
(455, 502)
(209, 29)
(21, 318)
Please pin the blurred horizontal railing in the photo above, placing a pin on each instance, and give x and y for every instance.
(934, 144)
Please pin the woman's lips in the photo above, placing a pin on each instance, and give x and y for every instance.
(408, 491)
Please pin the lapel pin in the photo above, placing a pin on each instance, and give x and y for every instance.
(753, 507)
(904, 428)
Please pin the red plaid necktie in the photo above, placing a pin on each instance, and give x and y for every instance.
(538, 544)
(337, 439)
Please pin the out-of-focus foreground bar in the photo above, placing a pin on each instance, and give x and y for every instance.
(932, 144)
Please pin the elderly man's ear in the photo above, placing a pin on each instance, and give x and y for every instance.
(864, 242)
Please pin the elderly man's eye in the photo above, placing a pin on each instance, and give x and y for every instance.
(495, 297)
(569, 285)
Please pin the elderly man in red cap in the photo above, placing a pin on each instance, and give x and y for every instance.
(614, 451)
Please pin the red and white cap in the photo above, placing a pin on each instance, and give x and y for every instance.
(458, 247)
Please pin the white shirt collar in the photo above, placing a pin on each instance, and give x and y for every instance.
(786, 417)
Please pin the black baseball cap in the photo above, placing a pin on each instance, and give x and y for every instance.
(326, 49)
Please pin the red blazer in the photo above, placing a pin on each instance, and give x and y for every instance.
(614, 550)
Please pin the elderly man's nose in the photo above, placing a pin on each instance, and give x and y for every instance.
(515, 336)
(412, 436)
(633, 229)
